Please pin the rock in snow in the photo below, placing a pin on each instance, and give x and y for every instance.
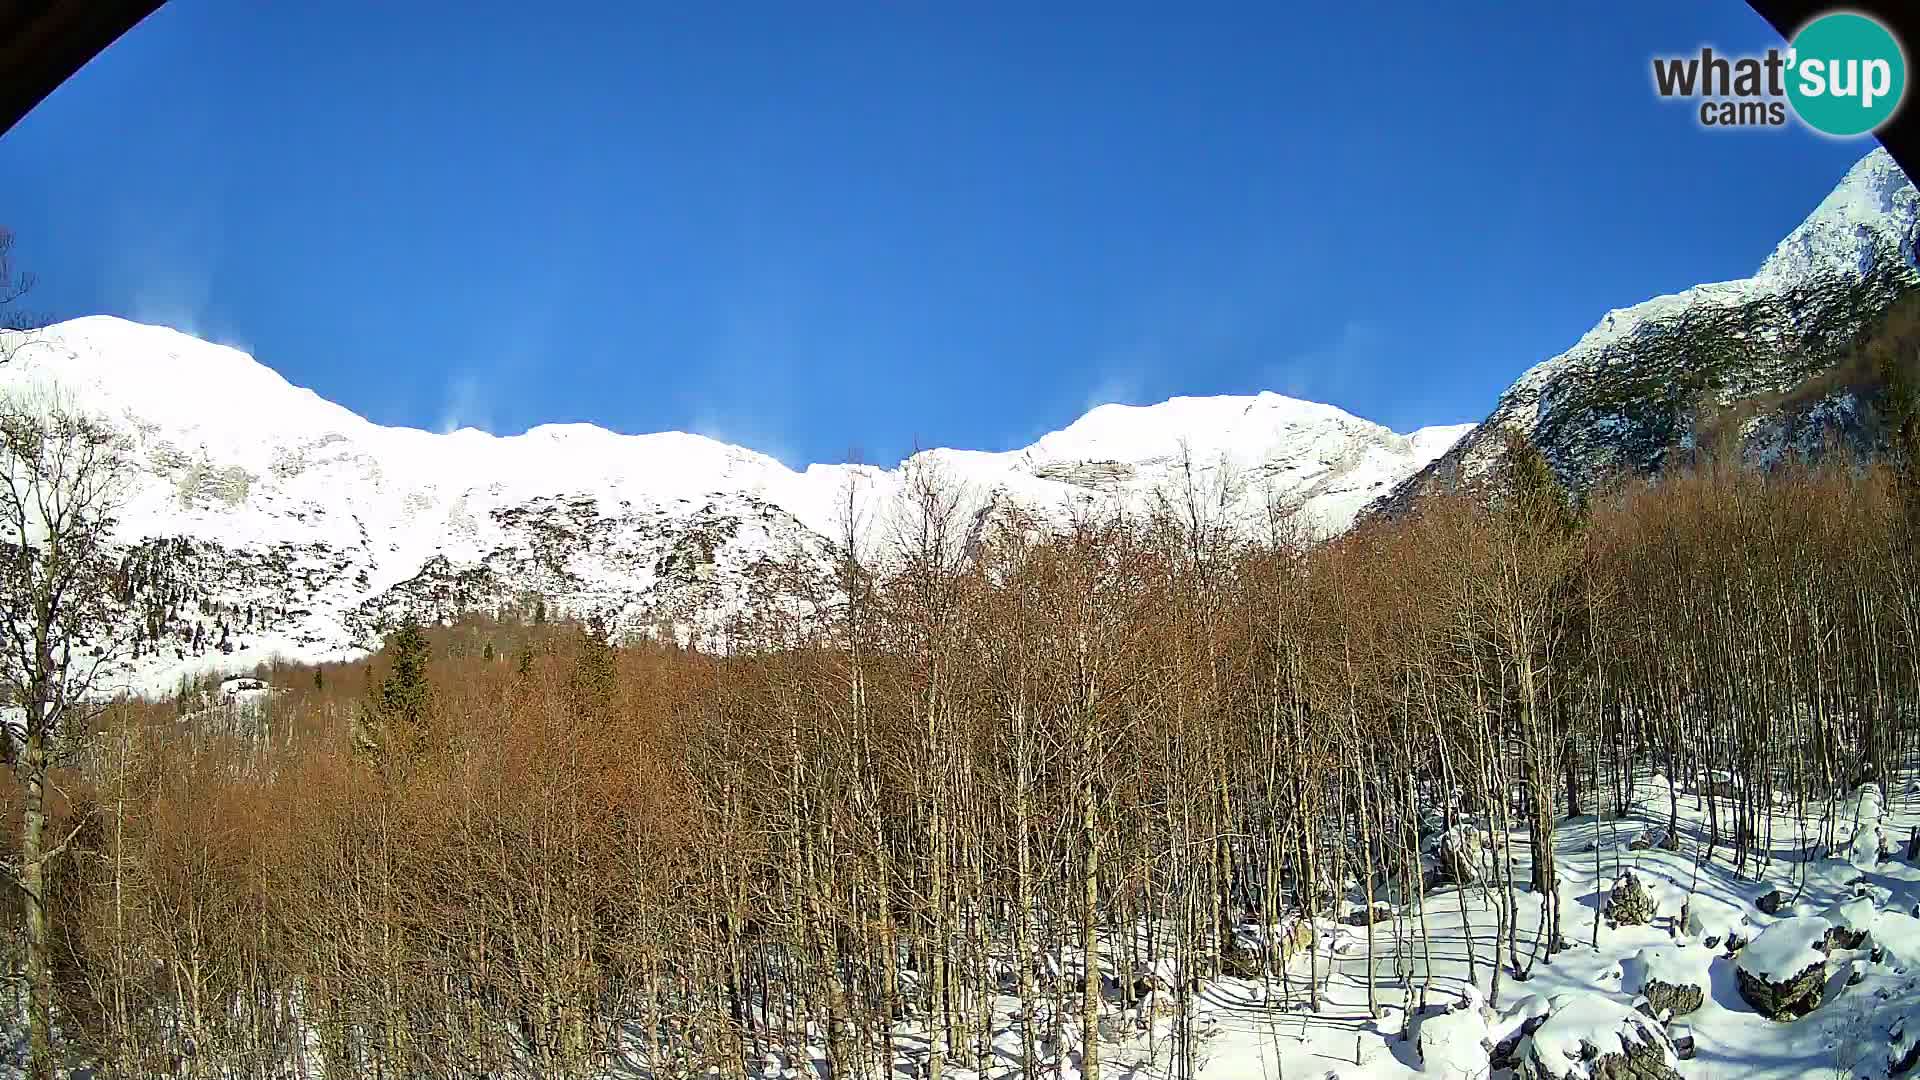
(1895, 937)
(1460, 855)
(1782, 974)
(1591, 1037)
(1630, 903)
(1673, 978)
(1852, 921)
(1456, 1043)
(1711, 920)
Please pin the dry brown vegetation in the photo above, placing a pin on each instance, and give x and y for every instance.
(984, 767)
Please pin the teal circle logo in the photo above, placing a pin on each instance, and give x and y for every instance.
(1847, 74)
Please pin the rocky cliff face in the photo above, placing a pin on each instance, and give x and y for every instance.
(1648, 379)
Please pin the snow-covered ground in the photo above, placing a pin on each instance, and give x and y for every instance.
(1577, 1009)
(1580, 1005)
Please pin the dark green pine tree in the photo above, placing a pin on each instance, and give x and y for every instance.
(1895, 356)
(405, 699)
(593, 675)
(1535, 496)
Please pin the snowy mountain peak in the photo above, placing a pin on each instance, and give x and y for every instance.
(1637, 384)
(1206, 424)
(256, 496)
(1872, 210)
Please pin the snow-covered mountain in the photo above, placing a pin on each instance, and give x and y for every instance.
(264, 519)
(1751, 352)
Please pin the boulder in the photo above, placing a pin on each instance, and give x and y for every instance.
(1895, 938)
(1851, 920)
(1869, 846)
(1657, 836)
(1671, 979)
(1293, 937)
(1712, 920)
(1366, 916)
(1673, 999)
(1783, 973)
(1591, 1035)
(1725, 784)
(1245, 955)
(1519, 1020)
(1241, 958)
(1867, 802)
(1630, 903)
(1147, 984)
(1903, 1045)
(1789, 998)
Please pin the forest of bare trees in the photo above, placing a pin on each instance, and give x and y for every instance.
(1007, 774)
(1007, 770)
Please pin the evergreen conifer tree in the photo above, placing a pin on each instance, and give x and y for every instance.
(404, 700)
(593, 675)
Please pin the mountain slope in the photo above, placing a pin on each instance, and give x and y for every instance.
(1640, 383)
(264, 519)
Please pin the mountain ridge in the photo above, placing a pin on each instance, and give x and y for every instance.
(266, 520)
(269, 520)
(1632, 388)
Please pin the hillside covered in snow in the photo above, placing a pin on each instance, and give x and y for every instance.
(264, 520)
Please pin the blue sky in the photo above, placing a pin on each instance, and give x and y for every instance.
(839, 229)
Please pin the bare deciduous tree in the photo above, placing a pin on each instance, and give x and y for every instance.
(60, 484)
